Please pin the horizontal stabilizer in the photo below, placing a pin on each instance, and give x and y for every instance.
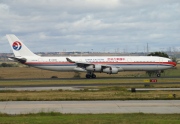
(21, 60)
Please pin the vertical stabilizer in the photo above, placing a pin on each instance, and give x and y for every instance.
(18, 47)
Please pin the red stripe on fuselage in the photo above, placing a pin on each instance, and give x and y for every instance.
(107, 63)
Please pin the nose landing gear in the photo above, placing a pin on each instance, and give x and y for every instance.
(153, 73)
(158, 74)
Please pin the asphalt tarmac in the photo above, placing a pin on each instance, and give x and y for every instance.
(92, 107)
(98, 78)
(74, 88)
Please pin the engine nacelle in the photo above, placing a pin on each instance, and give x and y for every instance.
(96, 68)
(79, 69)
(110, 70)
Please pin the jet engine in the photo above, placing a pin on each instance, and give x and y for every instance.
(110, 70)
(96, 68)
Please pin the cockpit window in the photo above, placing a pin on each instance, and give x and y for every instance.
(169, 60)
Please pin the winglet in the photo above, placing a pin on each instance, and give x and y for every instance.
(69, 60)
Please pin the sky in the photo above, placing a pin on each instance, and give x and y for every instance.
(91, 25)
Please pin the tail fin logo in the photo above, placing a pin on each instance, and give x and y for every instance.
(17, 45)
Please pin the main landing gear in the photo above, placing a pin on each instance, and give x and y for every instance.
(90, 75)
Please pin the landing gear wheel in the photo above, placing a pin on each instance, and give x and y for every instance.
(158, 75)
(88, 76)
(93, 76)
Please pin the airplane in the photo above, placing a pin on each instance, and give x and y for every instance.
(88, 64)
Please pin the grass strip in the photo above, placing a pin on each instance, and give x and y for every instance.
(58, 118)
(106, 93)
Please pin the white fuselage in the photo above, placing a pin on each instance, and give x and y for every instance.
(123, 63)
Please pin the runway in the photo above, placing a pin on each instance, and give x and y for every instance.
(40, 87)
(92, 107)
(46, 86)
(98, 78)
(74, 88)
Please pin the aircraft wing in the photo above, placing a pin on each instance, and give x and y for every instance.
(96, 67)
(79, 64)
(85, 64)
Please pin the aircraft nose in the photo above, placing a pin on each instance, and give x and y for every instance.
(174, 64)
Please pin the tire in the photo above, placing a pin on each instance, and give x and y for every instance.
(88, 76)
(93, 76)
(158, 75)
